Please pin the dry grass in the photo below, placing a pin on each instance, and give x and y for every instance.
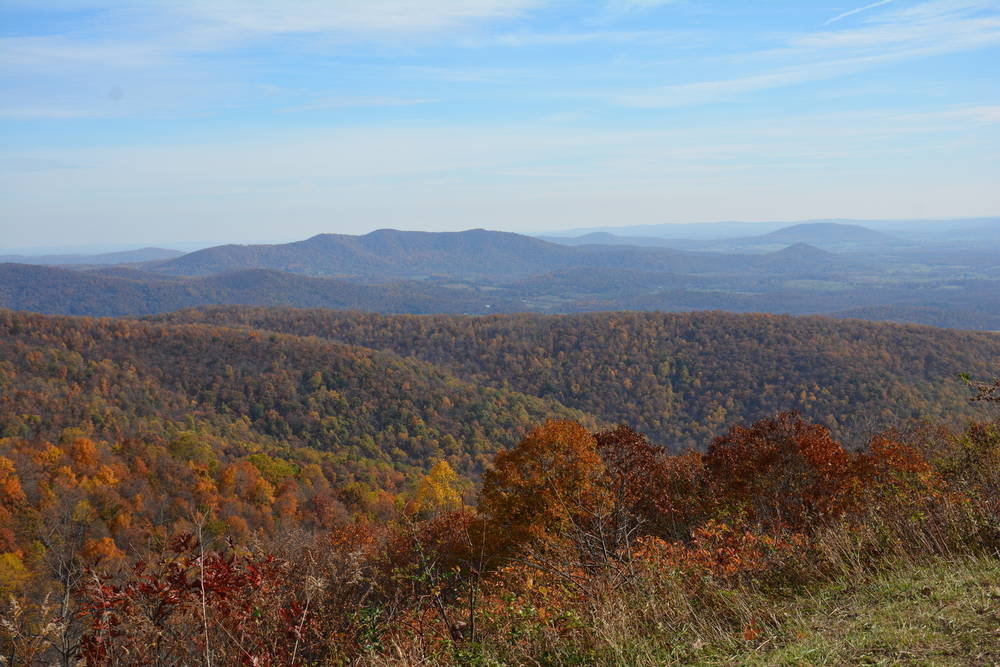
(914, 586)
(943, 612)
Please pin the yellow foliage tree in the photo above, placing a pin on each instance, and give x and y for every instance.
(437, 492)
(13, 573)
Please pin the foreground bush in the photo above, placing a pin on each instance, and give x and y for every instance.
(582, 548)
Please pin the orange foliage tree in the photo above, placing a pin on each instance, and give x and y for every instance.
(780, 472)
(545, 484)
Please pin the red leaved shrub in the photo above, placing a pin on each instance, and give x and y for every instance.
(780, 473)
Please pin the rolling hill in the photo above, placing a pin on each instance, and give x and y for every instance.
(122, 291)
(828, 236)
(251, 391)
(826, 232)
(680, 378)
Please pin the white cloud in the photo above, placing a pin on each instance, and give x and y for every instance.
(290, 16)
(859, 10)
(637, 5)
(347, 103)
(942, 36)
(50, 113)
(348, 16)
(137, 34)
(531, 39)
(48, 53)
(955, 117)
(930, 28)
(687, 94)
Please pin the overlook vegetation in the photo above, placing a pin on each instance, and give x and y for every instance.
(582, 548)
(243, 486)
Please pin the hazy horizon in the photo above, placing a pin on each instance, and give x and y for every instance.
(191, 246)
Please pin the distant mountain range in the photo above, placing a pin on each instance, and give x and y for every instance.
(478, 255)
(125, 257)
(824, 232)
(832, 236)
(391, 254)
(832, 268)
(921, 230)
(607, 238)
(382, 254)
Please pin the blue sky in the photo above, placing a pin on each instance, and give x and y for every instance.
(128, 122)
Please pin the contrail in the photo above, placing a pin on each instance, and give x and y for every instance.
(858, 11)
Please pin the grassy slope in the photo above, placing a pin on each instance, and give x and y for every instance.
(940, 613)
(943, 613)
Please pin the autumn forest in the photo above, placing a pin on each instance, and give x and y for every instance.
(277, 486)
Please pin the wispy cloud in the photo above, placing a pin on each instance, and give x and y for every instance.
(26, 164)
(687, 94)
(859, 10)
(637, 5)
(347, 103)
(565, 38)
(51, 52)
(930, 28)
(50, 113)
(353, 16)
(134, 35)
(953, 118)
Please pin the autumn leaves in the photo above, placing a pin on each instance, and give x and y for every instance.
(572, 532)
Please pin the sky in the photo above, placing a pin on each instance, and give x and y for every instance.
(139, 122)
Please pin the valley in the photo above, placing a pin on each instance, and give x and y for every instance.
(835, 269)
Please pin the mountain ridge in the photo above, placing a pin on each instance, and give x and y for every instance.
(382, 253)
(679, 377)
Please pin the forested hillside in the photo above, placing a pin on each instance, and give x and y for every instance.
(679, 378)
(115, 292)
(119, 433)
(254, 391)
